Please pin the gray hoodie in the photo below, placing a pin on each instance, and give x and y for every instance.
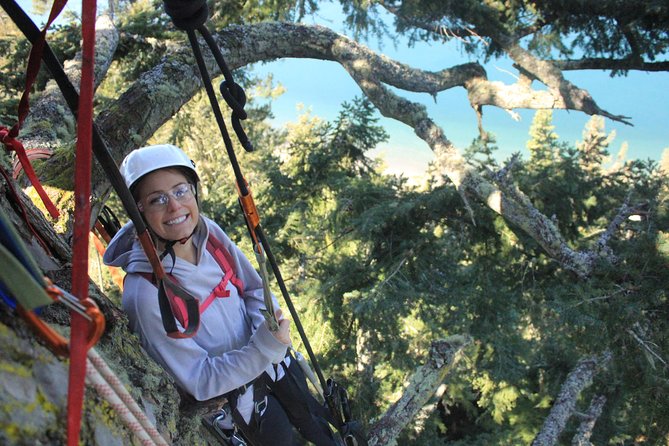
(232, 345)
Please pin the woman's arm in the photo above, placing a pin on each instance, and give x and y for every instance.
(202, 375)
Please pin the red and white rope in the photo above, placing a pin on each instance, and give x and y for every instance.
(109, 387)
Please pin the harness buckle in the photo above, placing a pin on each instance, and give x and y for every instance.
(261, 406)
(230, 437)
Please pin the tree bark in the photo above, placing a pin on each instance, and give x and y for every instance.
(584, 432)
(50, 122)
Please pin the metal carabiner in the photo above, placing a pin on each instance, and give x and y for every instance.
(86, 308)
(56, 342)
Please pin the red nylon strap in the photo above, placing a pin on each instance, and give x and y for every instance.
(82, 221)
(8, 138)
(34, 62)
(13, 144)
(226, 263)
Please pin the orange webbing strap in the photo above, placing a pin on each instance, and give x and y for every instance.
(252, 219)
(251, 215)
(114, 271)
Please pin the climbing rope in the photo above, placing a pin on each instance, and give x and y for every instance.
(110, 387)
(191, 16)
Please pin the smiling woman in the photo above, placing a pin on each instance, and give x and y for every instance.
(162, 180)
(234, 353)
(170, 209)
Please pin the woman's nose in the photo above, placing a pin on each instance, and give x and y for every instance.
(172, 203)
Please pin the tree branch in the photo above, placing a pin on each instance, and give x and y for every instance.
(50, 107)
(159, 93)
(610, 64)
(563, 408)
(422, 385)
(562, 94)
(584, 432)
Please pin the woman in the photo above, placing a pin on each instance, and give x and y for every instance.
(233, 346)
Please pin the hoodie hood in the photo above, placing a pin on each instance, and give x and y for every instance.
(125, 250)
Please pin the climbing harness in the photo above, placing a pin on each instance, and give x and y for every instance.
(191, 16)
(108, 164)
(226, 263)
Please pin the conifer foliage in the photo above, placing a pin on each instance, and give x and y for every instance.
(380, 267)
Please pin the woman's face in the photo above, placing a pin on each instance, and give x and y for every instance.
(168, 203)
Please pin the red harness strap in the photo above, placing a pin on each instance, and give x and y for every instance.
(13, 144)
(225, 262)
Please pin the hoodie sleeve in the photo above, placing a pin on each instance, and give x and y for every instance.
(202, 375)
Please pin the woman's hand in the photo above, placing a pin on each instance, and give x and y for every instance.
(283, 333)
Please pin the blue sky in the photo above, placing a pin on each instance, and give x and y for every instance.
(322, 87)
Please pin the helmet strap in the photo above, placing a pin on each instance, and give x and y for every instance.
(169, 244)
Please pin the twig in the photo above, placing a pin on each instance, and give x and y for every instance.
(645, 346)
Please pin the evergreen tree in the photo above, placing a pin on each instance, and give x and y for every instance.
(380, 268)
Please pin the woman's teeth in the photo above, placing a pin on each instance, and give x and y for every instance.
(176, 221)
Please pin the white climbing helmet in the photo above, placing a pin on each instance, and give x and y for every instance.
(150, 158)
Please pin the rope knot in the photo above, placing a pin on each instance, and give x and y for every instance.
(187, 14)
(235, 97)
(8, 139)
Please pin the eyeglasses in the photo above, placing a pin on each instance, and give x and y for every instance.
(157, 202)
